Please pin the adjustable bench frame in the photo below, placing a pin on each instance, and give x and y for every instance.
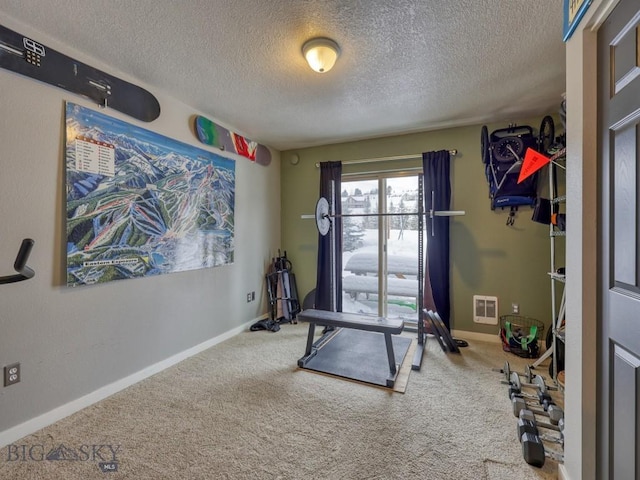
(354, 321)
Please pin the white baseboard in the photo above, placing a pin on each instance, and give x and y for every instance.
(30, 426)
(487, 337)
(480, 337)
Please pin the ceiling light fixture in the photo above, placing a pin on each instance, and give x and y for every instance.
(321, 54)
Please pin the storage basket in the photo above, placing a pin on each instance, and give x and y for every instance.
(520, 335)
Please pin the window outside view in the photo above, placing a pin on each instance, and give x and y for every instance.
(361, 253)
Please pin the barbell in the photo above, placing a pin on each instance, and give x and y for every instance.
(323, 216)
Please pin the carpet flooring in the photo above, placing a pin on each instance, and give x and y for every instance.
(243, 410)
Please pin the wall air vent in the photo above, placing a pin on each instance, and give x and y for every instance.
(485, 309)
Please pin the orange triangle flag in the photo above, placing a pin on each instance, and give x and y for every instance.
(533, 161)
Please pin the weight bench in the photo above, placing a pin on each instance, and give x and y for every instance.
(352, 321)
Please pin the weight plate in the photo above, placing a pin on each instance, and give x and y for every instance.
(322, 216)
(515, 381)
(539, 381)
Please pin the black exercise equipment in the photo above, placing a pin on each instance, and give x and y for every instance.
(537, 383)
(20, 265)
(550, 410)
(309, 301)
(324, 218)
(528, 425)
(349, 349)
(542, 396)
(282, 290)
(506, 371)
(323, 215)
(533, 449)
(435, 331)
(529, 416)
(439, 329)
(265, 324)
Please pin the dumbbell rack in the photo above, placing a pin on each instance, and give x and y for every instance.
(527, 407)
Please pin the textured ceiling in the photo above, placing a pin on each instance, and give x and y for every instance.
(405, 66)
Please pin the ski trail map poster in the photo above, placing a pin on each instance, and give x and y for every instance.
(141, 204)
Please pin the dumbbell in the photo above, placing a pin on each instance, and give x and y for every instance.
(533, 450)
(551, 410)
(525, 426)
(515, 388)
(506, 370)
(518, 397)
(543, 404)
(528, 417)
(536, 382)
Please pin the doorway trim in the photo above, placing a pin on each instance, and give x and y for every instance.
(582, 259)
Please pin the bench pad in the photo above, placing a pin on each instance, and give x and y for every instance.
(352, 320)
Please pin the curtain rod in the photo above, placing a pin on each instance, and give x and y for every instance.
(386, 159)
(377, 172)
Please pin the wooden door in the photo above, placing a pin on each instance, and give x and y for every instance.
(619, 120)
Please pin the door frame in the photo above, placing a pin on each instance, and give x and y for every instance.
(581, 349)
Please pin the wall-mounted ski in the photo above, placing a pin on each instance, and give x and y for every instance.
(20, 265)
(217, 136)
(27, 57)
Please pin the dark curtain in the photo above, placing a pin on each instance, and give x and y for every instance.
(436, 167)
(330, 171)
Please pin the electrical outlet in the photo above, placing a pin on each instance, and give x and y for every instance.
(11, 374)
(515, 308)
(248, 297)
(253, 296)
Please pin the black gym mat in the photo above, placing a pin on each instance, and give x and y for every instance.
(359, 355)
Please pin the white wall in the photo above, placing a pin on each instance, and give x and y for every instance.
(74, 341)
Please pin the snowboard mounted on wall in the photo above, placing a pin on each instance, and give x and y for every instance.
(27, 57)
(211, 133)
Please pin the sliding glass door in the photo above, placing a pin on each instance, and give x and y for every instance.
(380, 246)
(360, 246)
